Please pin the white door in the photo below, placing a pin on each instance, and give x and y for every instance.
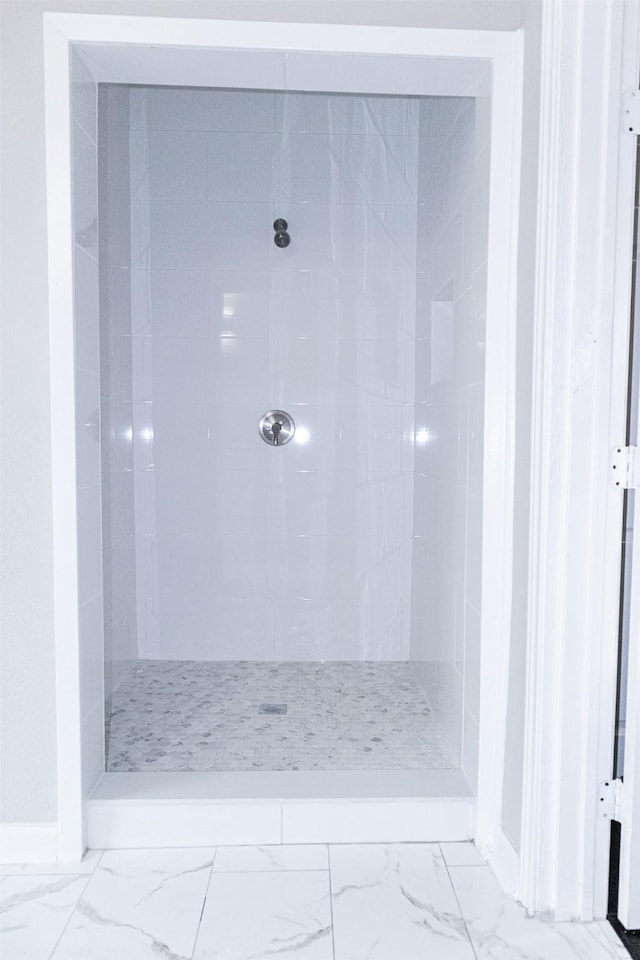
(628, 738)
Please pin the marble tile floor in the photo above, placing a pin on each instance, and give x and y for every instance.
(338, 902)
(174, 715)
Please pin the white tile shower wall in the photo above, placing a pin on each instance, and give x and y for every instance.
(120, 612)
(87, 378)
(245, 551)
(453, 183)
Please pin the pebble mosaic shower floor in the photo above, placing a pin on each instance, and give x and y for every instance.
(192, 715)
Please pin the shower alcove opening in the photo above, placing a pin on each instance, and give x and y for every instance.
(288, 643)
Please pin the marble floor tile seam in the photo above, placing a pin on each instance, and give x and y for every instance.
(204, 904)
(72, 914)
(288, 870)
(94, 855)
(87, 876)
(455, 893)
(331, 901)
(18, 870)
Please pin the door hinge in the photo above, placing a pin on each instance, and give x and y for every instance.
(625, 468)
(631, 111)
(610, 799)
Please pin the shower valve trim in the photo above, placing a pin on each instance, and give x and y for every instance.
(277, 428)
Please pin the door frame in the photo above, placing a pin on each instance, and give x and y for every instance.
(114, 45)
(628, 880)
(590, 56)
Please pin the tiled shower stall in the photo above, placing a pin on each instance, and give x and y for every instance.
(338, 576)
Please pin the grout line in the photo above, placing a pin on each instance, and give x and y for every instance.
(72, 914)
(244, 846)
(333, 932)
(455, 893)
(4, 872)
(207, 165)
(85, 250)
(373, 204)
(204, 902)
(89, 136)
(233, 873)
(281, 94)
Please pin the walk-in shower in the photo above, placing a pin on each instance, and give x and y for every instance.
(307, 270)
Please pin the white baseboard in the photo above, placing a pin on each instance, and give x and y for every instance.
(28, 842)
(504, 860)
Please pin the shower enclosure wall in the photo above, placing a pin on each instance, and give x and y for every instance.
(337, 576)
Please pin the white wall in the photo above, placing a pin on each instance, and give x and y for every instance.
(27, 696)
(245, 551)
(450, 329)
